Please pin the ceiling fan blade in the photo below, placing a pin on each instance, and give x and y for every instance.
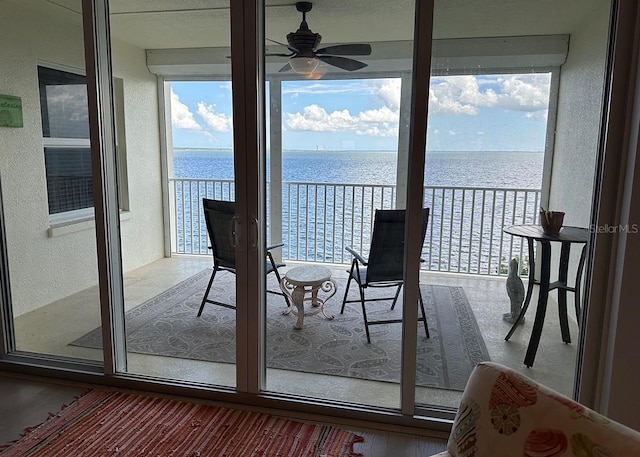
(287, 67)
(342, 62)
(291, 48)
(281, 55)
(346, 50)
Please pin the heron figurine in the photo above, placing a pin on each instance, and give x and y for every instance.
(515, 291)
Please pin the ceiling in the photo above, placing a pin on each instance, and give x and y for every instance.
(164, 24)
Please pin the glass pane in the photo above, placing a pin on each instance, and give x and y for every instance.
(63, 104)
(69, 182)
(513, 126)
(47, 181)
(337, 156)
(174, 159)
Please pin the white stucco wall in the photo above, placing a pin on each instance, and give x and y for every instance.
(577, 129)
(142, 232)
(579, 108)
(42, 268)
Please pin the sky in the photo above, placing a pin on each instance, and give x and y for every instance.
(466, 113)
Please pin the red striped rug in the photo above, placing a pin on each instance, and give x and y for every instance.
(103, 423)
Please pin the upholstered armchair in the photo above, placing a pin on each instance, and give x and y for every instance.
(503, 413)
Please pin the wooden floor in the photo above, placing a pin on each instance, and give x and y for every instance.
(25, 402)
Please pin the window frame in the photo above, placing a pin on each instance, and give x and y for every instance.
(58, 222)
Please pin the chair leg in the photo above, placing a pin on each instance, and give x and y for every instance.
(346, 291)
(395, 299)
(424, 316)
(278, 277)
(364, 313)
(578, 304)
(206, 294)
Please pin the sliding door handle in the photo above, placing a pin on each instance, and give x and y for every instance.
(234, 230)
(254, 233)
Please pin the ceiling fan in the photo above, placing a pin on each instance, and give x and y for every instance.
(305, 55)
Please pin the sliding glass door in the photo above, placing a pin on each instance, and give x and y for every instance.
(338, 154)
(514, 114)
(366, 162)
(47, 183)
(177, 143)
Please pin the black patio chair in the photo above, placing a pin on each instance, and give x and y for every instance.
(385, 265)
(218, 216)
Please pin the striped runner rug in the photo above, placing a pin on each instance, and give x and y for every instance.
(105, 423)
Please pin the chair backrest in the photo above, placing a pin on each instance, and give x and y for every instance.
(386, 255)
(218, 216)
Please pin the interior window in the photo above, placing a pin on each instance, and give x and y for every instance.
(65, 128)
(67, 152)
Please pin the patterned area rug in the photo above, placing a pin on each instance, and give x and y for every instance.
(104, 423)
(167, 325)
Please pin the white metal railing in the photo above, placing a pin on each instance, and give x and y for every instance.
(464, 234)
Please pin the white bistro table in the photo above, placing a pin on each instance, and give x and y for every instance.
(308, 279)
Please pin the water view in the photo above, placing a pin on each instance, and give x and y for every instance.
(521, 170)
(329, 200)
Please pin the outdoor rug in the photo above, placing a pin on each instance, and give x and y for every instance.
(167, 325)
(103, 423)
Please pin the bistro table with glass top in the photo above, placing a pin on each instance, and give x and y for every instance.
(567, 236)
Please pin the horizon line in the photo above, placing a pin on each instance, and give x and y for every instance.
(187, 148)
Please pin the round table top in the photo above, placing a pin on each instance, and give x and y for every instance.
(308, 275)
(532, 231)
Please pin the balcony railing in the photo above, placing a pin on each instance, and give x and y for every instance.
(464, 234)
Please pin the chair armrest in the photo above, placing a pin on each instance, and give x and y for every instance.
(356, 255)
(273, 246)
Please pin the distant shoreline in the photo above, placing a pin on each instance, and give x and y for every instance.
(182, 148)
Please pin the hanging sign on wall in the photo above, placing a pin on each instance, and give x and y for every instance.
(10, 111)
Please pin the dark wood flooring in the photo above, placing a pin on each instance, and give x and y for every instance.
(27, 402)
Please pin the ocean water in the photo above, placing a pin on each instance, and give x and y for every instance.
(521, 170)
(321, 214)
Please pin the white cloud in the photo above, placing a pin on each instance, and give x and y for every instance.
(218, 122)
(181, 116)
(389, 92)
(526, 92)
(467, 94)
(452, 132)
(374, 122)
(320, 87)
(378, 122)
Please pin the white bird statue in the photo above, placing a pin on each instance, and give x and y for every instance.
(515, 291)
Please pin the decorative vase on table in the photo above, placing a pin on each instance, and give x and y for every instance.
(551, 221)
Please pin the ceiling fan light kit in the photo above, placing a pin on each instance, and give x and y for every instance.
(305, 55)
(304, 65)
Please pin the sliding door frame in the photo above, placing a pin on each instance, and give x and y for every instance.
(247, 81)
(596, 368)
(420, 81)
(105, 186)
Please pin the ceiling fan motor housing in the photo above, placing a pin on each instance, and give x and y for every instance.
(304, 40)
